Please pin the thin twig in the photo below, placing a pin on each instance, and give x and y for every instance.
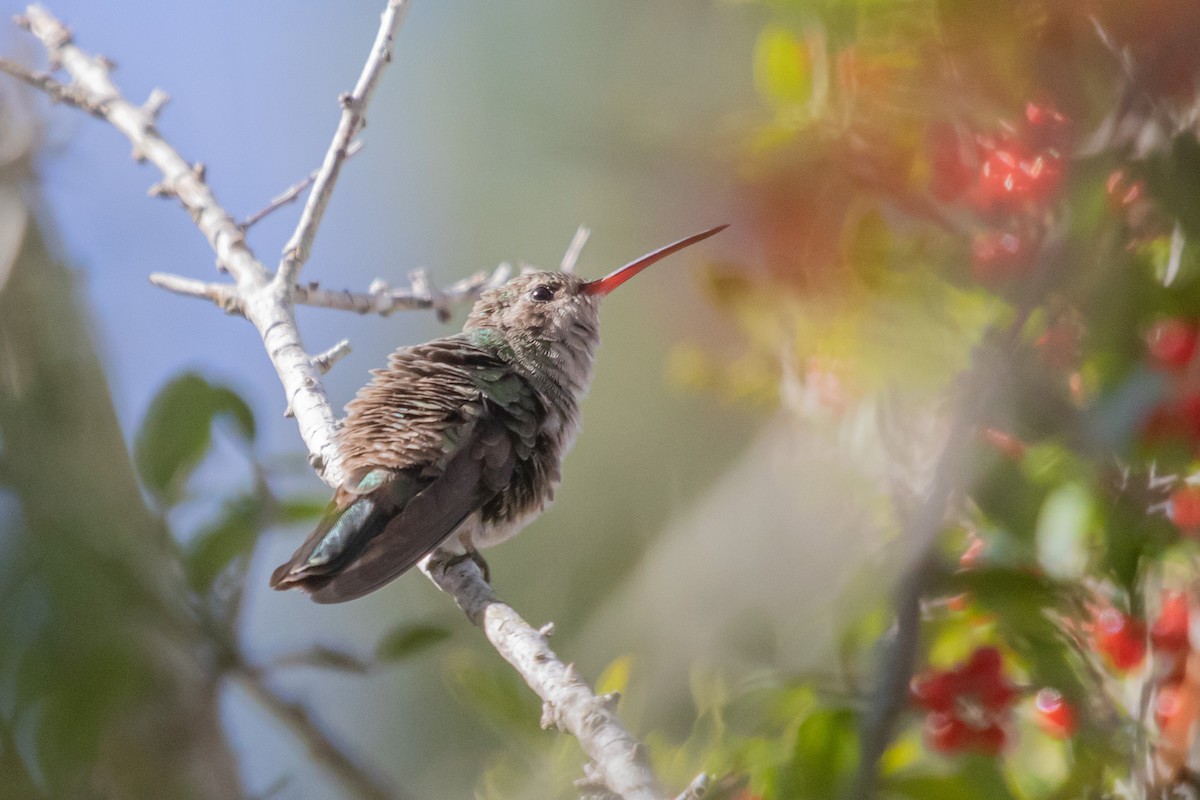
(571, 257)
(55, 90)
(354, 106)
(327, 359)
(355, 777)
(293, 192)
(380, 298)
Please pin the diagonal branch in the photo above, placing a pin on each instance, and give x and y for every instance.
(569, 704)
(292, 193)
(300, 721)
(354, 106)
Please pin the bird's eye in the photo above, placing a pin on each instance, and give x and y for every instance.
(542, 293)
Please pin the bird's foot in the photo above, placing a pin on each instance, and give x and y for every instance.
(472, 555)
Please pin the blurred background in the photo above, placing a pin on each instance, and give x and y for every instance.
(909, 183)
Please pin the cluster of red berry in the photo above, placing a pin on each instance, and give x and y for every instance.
(1171, 344)
(1121, 638)
(1009, 178)
(968, 708)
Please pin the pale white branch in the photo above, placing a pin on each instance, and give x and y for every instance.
(354, 106)
(55, 90)
(382, 299)
(619, 760)
(571, 257)
(225, 295)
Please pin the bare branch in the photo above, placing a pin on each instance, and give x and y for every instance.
(293, 192)
(356, 778)
(570, 257)
(56, 91)
(225, 295)
(381, 299)
(620, 760)
(354, 106)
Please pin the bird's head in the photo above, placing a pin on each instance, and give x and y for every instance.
(559, 307)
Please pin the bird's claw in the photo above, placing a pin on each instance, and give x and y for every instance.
(472, 555)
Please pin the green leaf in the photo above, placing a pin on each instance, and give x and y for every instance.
(407, 641)
(826, 755)
(177, 431)
(502, 700)
(783, 67)
(227, 402)
(615, 677)
(232, 536)
(1062, 531)
(301, 509)
(976, 782)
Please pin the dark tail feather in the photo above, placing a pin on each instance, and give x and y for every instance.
(338, 537)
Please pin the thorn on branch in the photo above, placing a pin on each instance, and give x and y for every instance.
(22, 21)
(610, 701)
(325, 361)
(106, 63)
(200, 170)
(161, 190)
(546, 631)
(154, 103)
(549, 721)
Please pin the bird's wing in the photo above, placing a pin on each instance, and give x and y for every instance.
(480, 467)
(429, 441)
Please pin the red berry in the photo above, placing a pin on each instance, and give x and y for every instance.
(933, 691)
(946, 733)
(989, 740)
(1167, 705)
(1172, 342)
(1010, 177)
(984, 664)
(1183, 508)
(1121, 638)
(983, 676)
(1054, 714)
(1177, 420)
(1169, 633)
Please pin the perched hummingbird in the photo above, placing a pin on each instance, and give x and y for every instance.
(458, 442)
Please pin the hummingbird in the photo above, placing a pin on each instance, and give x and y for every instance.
(457, 444)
